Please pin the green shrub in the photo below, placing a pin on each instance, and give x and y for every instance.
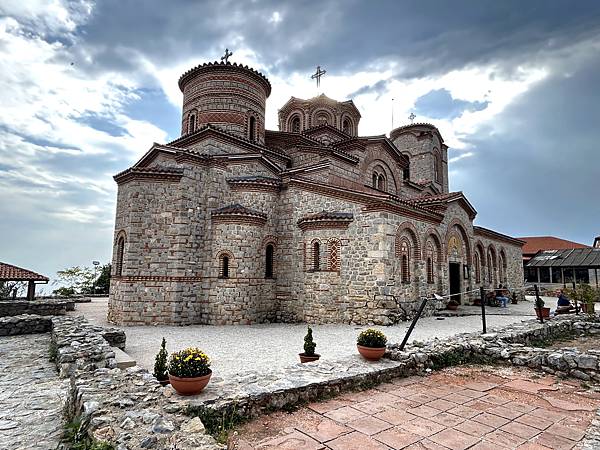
(309, 344)
(189, 363)
(160, 363)
(371, 338)
(584, 294)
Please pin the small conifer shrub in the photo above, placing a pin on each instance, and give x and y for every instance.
(309, 344)
(160, 363)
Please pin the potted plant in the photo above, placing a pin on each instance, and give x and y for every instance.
(585, 295)
(160, 364)
(540, 309)
(452, 305)
(371, 344)
(309, 354)
(189, 371)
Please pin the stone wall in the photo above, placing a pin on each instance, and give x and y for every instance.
(46, 307)
(24, 324)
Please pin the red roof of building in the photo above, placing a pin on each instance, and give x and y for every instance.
(8, 272)
(536, 243)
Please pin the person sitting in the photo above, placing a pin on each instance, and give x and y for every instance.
(501, 297)
(563, 304)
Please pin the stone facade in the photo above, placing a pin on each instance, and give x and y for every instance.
(235, 224)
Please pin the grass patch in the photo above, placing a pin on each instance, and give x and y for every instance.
(217, 424)
(75, 440)
(457, 359)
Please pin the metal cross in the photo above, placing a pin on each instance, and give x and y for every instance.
(227, 55)
(411, 117)
(318, 74)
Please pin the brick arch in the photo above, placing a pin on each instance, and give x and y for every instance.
(389, 174)
(482, 254)
(433, 233)
(296, 112)
(463, 233)
(322, 109)
(348, 117)
(410, 229)
(269, 239)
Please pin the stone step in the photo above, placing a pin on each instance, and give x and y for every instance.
(123, 359)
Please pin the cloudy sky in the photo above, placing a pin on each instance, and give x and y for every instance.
(86, 87)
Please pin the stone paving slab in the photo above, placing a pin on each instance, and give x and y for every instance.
(526, 419)
(31, 394)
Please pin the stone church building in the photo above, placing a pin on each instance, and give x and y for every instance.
(235, 224)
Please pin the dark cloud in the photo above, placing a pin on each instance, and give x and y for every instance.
(424, 37)
(536, 169)
(439, 104)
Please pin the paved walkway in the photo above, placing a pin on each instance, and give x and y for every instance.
(277, 345)
(459, 408)
(31, 394)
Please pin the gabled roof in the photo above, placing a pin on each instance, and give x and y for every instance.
(444, 199)
(533, 244)
(8, 272)
(574, 257)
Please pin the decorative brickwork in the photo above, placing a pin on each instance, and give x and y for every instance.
(232, 224)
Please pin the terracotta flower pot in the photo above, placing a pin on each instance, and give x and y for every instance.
(305, 359)
(371, 353)
(545, 312)
(189, 386)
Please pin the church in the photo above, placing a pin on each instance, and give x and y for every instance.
(232, 223)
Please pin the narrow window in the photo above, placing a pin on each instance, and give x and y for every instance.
(224, 267)
(347, 128)
(375, 178)
(296, 124)
(406, 174)
(316, 256)
(490, 268)
(269, 261)
(429, 271)
(252, 129)
(436, 168)
(192, 123)
(120, 251)
(381, 183)
(405, 274)
(477, 268)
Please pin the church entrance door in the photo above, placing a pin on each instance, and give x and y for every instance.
(454, 275)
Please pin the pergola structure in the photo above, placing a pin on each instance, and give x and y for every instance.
(579, 265)
(8, 272)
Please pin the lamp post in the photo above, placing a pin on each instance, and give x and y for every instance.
(96, 264)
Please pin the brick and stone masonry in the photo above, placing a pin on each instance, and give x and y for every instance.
(235, 224)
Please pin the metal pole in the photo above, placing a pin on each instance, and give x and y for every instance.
(537, 300)
(414, 322)
(575, 295)
(482, 294)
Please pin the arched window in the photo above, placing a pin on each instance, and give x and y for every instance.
(334, 255)
(296, 124)
(119, 260)
(403, 251)
(224, 266)
(192, 123)
(381, 182)
(431, 259)
(269, 261)
(347, 126)
(252, 129)
(477, 268)
(375, 179)
(322, 118)
(316, 256)
(406, 174)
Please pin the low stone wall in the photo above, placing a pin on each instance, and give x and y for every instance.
(39, 307)
(24, 324)
(80, 346)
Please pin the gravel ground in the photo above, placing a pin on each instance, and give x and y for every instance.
(240, 348)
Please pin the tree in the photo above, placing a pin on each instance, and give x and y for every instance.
(74, 280)
(9, 289)
(103, 281)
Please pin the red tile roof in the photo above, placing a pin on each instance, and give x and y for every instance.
(8, 272)
(533, 244)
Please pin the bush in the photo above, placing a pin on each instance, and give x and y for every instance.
(371, 338)
(584, 294)
(189, 363)
(160, 363)
(309, 344)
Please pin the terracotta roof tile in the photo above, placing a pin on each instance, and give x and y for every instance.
(8, 272)
(533, 244)
(237, 209)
